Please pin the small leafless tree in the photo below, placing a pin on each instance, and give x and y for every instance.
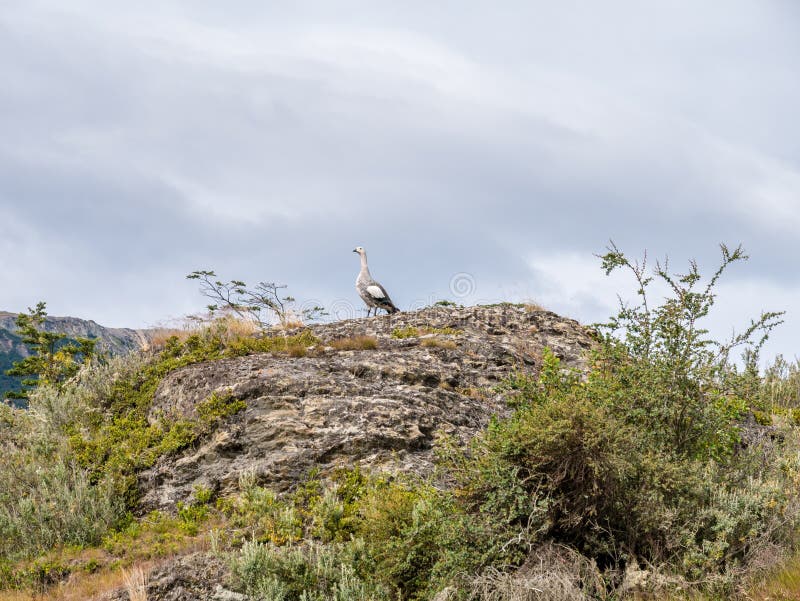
(263, 303)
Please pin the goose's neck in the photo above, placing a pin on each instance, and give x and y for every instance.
(364, 267)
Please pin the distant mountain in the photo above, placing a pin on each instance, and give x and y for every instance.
(115, 341)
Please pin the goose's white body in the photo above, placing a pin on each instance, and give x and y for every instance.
(371, 292)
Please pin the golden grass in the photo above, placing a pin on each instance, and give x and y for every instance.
(135, 583)
(533, 307)
(80, 586)
(297, 350)
(16, 596)
(227, 328)
(354, 343)
(159, 337)
(230, 327)
(439, 343)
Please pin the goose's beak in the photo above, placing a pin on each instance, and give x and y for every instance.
(354, 250)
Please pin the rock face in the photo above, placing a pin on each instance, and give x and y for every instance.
(193, 577)
(379, 408)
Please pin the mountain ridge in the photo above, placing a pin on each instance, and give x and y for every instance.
(115, 341)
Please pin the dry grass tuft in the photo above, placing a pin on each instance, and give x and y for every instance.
(439, 343)
(533, 307)
(473, 392)
(355, 343)
(159, 337)
(297, 350)
(82, 586)
(779, 585)
(230, 327)
(135, 584)
(413, 331)
(227, 328)
(15, 596)
(551, 573)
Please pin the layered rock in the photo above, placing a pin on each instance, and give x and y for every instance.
(378, 408)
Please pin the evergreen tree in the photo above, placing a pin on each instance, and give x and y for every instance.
(54, 359)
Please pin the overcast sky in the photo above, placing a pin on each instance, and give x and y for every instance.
(479, 151)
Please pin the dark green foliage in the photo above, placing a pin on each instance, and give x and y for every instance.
(7, 360)
(53, 359)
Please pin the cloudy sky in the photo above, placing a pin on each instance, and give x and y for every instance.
(479, 150)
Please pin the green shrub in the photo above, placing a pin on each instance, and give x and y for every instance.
(781, 383)
(640, 458)
(217, 407)
(308, 572)
(762, 418)
(49, 503)
(157, 534)
(420, 539)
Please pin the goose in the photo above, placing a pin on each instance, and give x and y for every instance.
(374, 295)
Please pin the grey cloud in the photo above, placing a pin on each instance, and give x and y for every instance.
(266, 141)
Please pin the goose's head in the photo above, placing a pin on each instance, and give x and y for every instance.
(360, 250)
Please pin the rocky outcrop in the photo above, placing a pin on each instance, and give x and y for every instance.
(434, 370)
(192, 577)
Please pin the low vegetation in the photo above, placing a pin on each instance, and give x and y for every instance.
(354, 343)
(416, 332)
(439, 343)
(68, 464)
